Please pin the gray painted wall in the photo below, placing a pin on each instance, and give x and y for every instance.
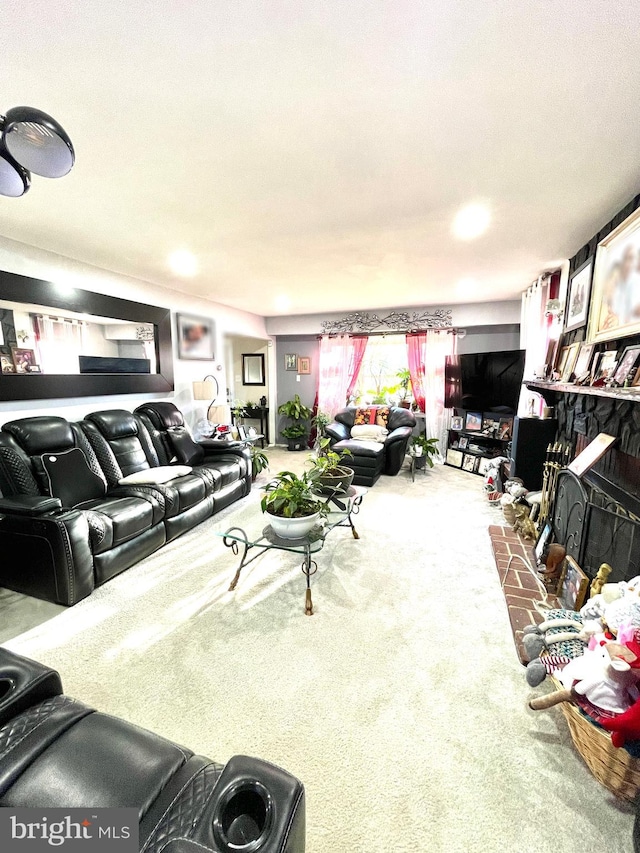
(289, 382)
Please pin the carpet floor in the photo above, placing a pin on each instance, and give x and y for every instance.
(400, 704)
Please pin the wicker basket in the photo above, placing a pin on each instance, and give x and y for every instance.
(614, 768)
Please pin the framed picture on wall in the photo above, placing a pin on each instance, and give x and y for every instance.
(615, 305)
(291, 361)
(195, 337)
(578, 299)
(304, 365)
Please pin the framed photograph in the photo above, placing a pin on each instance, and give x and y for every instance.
(469, 463)
(484, 463)
(562, 360)
(457, 423)
(23, 359)
(454, 457)
(291, 361)
(195, 337)
(606, 366)
(569, 362)
(551, 356)
(626, 369)
(573, 586)
(583, 362)
(304, 365)
(242, 432)
(6, 362)
(615, 305)
(463, 442)
(474, 421)
(505, 430)
(594, 451)
(490, 426)
(578, 300)
(544, 539)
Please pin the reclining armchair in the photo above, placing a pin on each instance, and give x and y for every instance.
(56, 752)
(370, 458)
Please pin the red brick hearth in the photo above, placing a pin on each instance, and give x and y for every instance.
(521, 588)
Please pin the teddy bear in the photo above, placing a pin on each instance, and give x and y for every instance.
(615, 605)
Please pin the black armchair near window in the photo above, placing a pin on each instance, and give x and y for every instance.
(372, 457)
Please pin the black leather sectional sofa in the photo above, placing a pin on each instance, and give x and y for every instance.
(68, 522)
(56, 752)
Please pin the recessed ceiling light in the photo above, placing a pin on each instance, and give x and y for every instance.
(183, 262)
(471, 221)
(282, 303)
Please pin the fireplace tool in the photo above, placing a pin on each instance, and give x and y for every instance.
(557, 458)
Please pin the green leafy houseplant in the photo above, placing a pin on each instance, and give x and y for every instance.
(298, 415)
(290, 496)
(404, 377)
(331, 476)
(259, 461)
(429, 447)
(238, 411)
(320, 421)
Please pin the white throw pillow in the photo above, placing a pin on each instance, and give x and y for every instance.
(369, 432)
(155, 476)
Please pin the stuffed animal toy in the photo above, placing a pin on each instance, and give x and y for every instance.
(606, 675)
(600, 580)
(624, 727)
(559, 637)
(615, 605)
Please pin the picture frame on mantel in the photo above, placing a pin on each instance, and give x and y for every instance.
(615, 305)
(577, 311)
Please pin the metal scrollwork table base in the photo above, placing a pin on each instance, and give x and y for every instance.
(342, 508)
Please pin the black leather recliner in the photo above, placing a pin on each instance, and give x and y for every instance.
(370, 459)
(67, 525)
(56, 752)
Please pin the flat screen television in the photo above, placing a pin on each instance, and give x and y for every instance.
(484, 381)
(113, 364)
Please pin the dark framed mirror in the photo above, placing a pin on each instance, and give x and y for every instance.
(253, 369)
(123, 347)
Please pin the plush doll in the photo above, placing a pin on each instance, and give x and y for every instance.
(555, 641)
(606, 675)
(625, 726)
(615, 605)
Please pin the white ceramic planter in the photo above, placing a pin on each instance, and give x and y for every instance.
(293, 528)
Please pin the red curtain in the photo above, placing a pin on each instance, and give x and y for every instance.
(416, 345)
(340, 361)
(358, 347)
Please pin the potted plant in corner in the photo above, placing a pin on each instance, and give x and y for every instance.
(259, 461)
(403, 386)
(423, 449)
(291, 505)
(328, 473)
(297, 430)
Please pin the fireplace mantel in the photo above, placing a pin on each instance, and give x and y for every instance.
(547, 389)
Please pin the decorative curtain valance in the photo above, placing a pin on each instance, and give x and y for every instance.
(396, 321)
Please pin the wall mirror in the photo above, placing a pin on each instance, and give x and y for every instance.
(58, 341)
(253, 368)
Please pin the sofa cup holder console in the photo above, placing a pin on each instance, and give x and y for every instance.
(243, 817)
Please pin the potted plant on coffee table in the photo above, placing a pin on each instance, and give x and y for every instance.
(423, 449)
(291, 505)
(298, 428)
(329, 474)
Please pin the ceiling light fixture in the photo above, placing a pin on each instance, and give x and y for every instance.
(183, 262)
(31, 141)
(471, 221)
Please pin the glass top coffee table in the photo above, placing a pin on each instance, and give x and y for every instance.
(342, 507)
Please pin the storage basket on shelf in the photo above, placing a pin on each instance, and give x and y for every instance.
(614, 768)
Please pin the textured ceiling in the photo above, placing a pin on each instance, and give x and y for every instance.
(318, 151)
